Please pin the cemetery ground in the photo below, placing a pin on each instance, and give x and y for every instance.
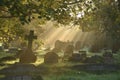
(64, 70)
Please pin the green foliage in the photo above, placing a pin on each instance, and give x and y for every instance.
(104, 18)
(58, 10)
(10, 29)
(98, 15)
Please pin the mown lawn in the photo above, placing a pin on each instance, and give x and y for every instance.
(63, 73)
(83, 76)
(59, 72)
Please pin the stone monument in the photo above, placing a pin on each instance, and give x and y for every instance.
(23, 70)
(27, 56)
(51, 57)
(108, 58)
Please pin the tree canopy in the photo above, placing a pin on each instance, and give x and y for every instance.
(10, 30)
(62, 11)
(98, 15)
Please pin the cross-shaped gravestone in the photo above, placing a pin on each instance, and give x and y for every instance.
(30, 39)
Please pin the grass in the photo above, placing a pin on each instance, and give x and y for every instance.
(59, 72)
(3, 54)
(56, 72)
(83, 76)
(117, 58)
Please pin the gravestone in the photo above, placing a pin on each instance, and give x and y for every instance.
(83, 56)
(94, 59)
(61, 46)
(27, 56)
(108, 58)
(76, 57)
(51, 57)
(69, 51)
(78, 45)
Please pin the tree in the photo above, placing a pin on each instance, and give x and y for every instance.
(10, 29)
(97, 15)
(106, 18)
(62, 11)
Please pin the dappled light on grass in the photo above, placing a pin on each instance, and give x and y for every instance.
(11, 62)
(39, 61)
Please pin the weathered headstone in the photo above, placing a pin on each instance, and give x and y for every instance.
(76, 57)
(83, 56)
(94, 59)
(61, 46)
(27, 56)
(108, 58)
(78, 45)
(69, 50)
(51, 57)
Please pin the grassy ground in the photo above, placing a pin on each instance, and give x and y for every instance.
(3, 54)
(68, 74)
(58, 72)
(84, 76)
